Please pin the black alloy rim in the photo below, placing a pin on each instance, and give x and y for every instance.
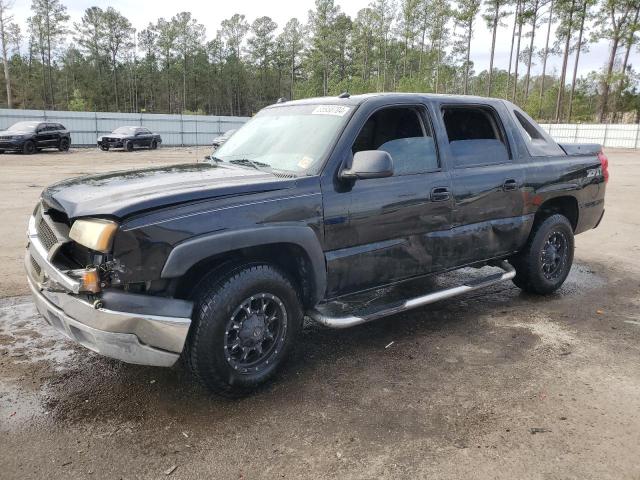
(255, 333)
(554, 255)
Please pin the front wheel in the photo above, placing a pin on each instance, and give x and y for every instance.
(104, 147)
(129, 146)
(154, 145)
(29, 147)
(63, 146)
(244, 325)
(543, 266)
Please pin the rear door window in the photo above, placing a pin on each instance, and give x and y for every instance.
(403, 133)
(476, 136)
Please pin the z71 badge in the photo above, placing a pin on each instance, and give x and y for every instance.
(594, 172)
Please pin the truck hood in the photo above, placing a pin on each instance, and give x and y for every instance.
(123, 193)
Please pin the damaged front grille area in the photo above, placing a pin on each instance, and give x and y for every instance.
(35, 266)
(49, 234)
(51, 226)
(46, 235)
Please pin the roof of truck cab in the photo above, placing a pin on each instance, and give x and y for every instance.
(353, 100)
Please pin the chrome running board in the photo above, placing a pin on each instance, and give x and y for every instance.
(351, 320)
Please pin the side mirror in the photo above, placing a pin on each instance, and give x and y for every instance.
(369, 164)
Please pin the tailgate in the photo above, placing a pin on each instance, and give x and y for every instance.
(581, 148)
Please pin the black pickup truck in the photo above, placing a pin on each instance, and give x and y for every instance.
(309, 202)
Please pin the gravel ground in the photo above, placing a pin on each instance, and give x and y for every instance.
(494, 384)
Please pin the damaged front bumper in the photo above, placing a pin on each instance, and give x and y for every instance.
(134, 328)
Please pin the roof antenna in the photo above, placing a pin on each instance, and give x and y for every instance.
(344, 95)
(281, 100)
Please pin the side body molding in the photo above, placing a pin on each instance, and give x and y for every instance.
(190, 252)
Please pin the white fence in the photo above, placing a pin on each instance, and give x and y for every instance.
(85, 127)
(607, 135)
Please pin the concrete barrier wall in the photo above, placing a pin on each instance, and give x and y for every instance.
(86, 127)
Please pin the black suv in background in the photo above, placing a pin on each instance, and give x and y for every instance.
(30, 137)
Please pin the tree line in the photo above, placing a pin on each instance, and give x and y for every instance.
(102, 63)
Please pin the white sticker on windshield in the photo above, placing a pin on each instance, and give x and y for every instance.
(337, 110)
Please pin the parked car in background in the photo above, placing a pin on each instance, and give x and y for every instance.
(30, 137)
(220, 139)
(130, 138)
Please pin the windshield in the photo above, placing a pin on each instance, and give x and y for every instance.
(125, 130)
(293, 138)
(23, 127)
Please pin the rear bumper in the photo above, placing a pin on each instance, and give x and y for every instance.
(132, 333)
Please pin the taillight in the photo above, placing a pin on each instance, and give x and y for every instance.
(604, 162)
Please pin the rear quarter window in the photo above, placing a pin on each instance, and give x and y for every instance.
(537, 141)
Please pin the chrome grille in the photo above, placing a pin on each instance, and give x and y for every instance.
(35, 266)
(46, 235)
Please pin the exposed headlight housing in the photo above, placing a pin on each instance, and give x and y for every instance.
(96, 233)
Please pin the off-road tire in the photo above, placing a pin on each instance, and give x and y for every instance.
(530, 275)
(29, 147)
(216, 298)
(128, 146)
(63, 144)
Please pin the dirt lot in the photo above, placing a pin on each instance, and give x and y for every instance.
(495, 384)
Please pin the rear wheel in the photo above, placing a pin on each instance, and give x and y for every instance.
(544, 264)
(63, 145)
(129, 146)
(29, 147)
(244, 324)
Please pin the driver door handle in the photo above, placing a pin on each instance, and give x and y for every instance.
(440, 194)
(510, 184)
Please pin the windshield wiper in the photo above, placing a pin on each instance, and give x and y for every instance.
(251, 163)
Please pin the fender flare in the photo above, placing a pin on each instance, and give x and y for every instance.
(190, 252)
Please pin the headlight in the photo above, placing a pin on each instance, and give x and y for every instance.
(17, 137)
(96, 234)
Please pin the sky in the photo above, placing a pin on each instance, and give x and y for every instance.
(211, 13)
